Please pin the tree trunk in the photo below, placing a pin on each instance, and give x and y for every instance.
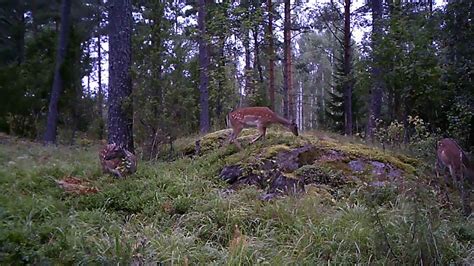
(157, 62)
(247, 69)
(271, 56)
(120, 115)
(256, 55)
(52, 121)
(376, 93)
(204, 123)
(347, 69)
(221, 78)
(289, 107)
(100, 94)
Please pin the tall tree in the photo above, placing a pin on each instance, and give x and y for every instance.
(271, 56)
(100, 94)
(288, 108)
(377, 78)
(120, 115)
(347, 69)
(52, 121)
(204, 123)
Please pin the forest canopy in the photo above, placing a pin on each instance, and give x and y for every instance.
(345, 66)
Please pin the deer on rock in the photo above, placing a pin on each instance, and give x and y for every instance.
(450, 155)
(260, 117)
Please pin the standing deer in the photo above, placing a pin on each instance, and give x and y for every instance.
(451, 156)
(260, 117)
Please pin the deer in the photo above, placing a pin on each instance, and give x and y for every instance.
(260, 117)
(450, 155)
(117, 160)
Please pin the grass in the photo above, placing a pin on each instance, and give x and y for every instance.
(177, 212)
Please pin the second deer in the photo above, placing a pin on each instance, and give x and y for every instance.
(260, 117)
(450, 155)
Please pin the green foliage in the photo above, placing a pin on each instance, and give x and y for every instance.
(460, 119)
(415, 136)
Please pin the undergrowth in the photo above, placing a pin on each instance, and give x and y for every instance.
(180, 213)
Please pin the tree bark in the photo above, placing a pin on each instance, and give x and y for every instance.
(221, 78)
(271, 57)
(58, 83)
(247, 69)
(377, 90)
(347, 69)
(289, 108)
(204, 123)
(120, 115)
(100, 94)
(256, 55)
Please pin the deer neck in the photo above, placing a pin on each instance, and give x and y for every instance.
(282, 120)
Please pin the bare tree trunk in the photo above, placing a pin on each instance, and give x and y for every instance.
(271, 56)
(347, 69)
(323, 98)
(58, 83)
(289, 108)
(204, 123)
(120, 115)
(256, 55)
(248, 69)
(377, 90)
(221, 78)
(100, 93)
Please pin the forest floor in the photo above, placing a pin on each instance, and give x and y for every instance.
(350, 203)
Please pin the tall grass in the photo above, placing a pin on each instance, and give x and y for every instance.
(178, 213)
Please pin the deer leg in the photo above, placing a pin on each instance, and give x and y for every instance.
(465, 195)
(444, 182)
(235, 133)
(262, 131)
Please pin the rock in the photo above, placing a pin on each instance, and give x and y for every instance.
(394, 173)
(357, 166)
(268, 196)
(231, 173)
(378, 169)
(288, 161)
(250, 180)
(284, 185)
(378, 184)
(331, 156)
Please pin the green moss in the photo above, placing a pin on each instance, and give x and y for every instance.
(274, 150)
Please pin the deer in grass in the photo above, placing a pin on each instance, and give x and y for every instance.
(117, 160)
(260, 117)
(450, 155)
